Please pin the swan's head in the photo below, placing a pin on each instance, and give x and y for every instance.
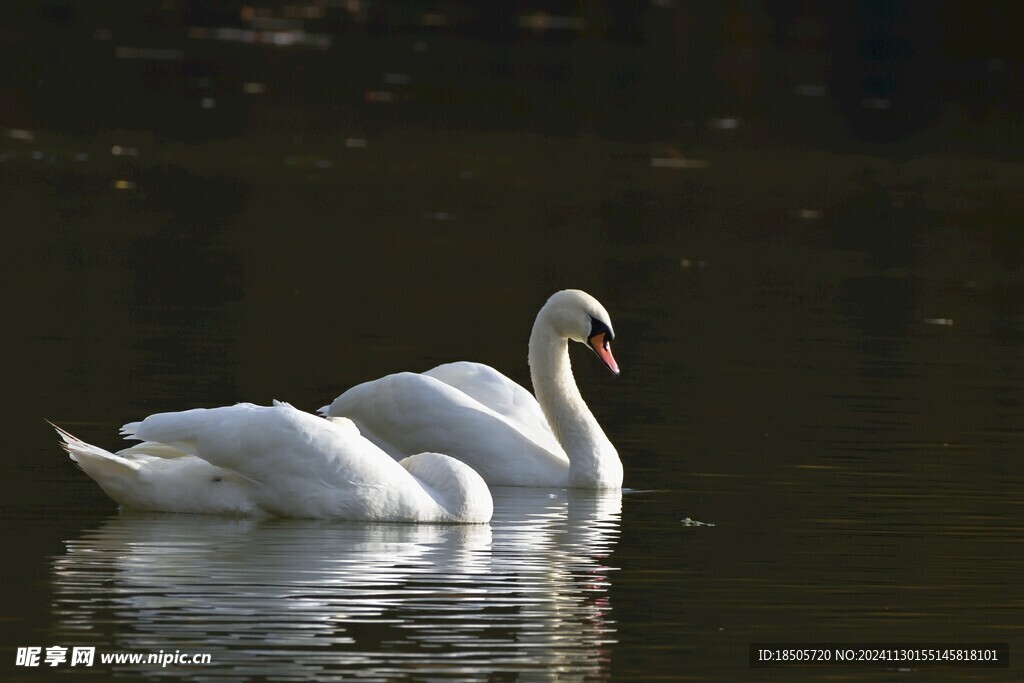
(574, 314)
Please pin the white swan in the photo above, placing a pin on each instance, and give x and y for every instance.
(476, 414)
(257, 460)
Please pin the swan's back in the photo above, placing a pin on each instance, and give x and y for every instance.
(499, 393)
(407, 413)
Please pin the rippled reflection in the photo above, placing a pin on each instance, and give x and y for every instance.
(307, 600)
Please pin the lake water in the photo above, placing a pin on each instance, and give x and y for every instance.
(819, 414)
(301, 600)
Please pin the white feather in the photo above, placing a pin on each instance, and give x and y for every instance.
(247, 459)
(478, 415)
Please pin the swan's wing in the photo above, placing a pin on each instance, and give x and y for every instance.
(486, 385)
(306, 466)
(266, 443)
(409, 413)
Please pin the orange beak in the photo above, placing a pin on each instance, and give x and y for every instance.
(599, 342)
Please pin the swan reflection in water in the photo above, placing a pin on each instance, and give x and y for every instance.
(318, 600)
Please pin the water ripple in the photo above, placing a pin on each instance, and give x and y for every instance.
(304, 600)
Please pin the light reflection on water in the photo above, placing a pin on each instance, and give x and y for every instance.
(309, 600)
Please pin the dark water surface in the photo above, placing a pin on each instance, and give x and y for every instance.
(846, 413)
(823, 363)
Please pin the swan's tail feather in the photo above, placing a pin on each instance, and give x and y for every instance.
(103, 466)
(154, 476)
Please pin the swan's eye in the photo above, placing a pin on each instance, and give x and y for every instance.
(597, 327)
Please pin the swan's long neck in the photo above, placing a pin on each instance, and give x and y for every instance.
(593, 461)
